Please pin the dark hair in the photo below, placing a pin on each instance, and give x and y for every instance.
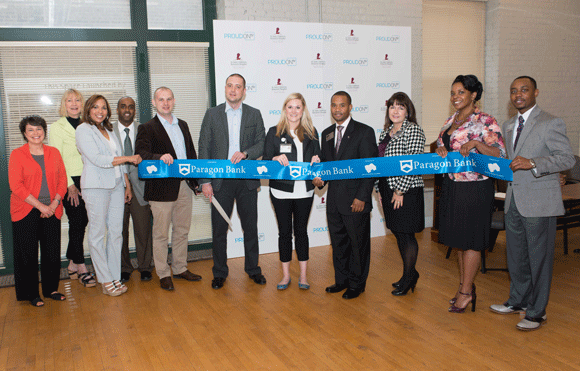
(344, 94)
(32, 120)
(403, 100)
(471, 83)
(86, 112)
(238, 75)
(529, 78)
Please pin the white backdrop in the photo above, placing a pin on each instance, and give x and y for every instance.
(317, 60)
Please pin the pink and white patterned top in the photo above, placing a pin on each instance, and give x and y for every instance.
(481, 127)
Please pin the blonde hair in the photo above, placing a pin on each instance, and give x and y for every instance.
(306, 128)
(62, 110)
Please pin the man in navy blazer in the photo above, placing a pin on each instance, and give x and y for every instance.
(166, 138)
(348, 201)
(233, 131)
(539, 148)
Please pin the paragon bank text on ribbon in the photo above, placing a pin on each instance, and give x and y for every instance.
(428, 163)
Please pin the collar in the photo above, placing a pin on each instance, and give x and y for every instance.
(123, 127)
(164, 121)
(526, 114)
(230, 108)
(344, 124)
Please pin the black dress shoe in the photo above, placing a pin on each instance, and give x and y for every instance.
(259, 279)
(146, 276)
(166, 283)
(218, 283)
(352, 293)
(125, 277)
(335, 288)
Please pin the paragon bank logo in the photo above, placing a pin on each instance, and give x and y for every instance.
(184, 169)
(277, 36)
(238, 62)
(248, 36)
(356, 62)
(327, 37)
(291, 62)
(389, 85)
(406, 165)
(323, 86)
(318, 62)
(386, 62)
(391, 39)
(295, 171)
(351, 38)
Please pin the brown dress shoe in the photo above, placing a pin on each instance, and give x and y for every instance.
(166, 283)
(187, 275)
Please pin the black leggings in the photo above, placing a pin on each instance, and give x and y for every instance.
(409, 249)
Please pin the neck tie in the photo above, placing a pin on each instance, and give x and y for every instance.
(519, 130)
(338, 137)
(128, 149)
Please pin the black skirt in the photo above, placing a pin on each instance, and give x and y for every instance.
(409, 218)
(465, 210)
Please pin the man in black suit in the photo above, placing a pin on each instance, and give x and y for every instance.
(167, 138)
(233, 131)
(348, 201)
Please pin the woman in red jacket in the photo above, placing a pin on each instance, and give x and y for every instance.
(38, 183)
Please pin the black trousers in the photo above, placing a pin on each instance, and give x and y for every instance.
(247, 204)
(27, 234)
(292, 211)
(350, 236)
(77, 224)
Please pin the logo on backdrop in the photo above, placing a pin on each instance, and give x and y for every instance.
(318, 62)
(406, 165)
(251, 87)
(291, 62)
(352, 86)
(389, 85)
(356, 62)
(319, 37)
(248, 36)
(386, 62)
(261, 237)
(351, 38)
(318, 110)
(323, 86)
(238, 62)
(275, 112)
(384, 108)
(391, 39)
(277, 36)
(279, 87)
(361, 109)
(322, 204)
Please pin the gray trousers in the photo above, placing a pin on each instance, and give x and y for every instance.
(530, 258)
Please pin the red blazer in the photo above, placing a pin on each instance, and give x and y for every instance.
(25, 178)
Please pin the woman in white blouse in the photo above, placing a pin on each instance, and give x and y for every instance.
(293, 139)
(105, 188)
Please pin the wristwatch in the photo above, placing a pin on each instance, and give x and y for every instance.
(245, 154)
(533, 163)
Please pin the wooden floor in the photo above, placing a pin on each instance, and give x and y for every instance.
(245, 326)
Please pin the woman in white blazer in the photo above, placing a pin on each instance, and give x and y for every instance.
(105, 188)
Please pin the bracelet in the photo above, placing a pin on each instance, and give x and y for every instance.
(57, 201)
(398, 193)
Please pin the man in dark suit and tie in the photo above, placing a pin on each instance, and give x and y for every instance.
(234, 131)
(348, 201)
(167, 138)
(539, 148)
(138, 209)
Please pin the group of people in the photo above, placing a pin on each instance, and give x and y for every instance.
(96, 180)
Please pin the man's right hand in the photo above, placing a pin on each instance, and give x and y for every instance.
(207, 190)
(318, 182)
(167, 158)
(73, 195)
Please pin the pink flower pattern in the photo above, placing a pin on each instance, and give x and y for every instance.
(481, 127)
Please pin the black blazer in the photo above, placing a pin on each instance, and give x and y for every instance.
(151, 143)
(272, 149)
(357, 142)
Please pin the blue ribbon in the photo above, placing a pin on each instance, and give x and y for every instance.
(428, 163)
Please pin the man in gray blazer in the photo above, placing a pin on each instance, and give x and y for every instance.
(138, 209)
(233, 131)
(539, 148)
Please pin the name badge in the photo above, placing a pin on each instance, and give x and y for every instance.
(285, 148)
(330, 136)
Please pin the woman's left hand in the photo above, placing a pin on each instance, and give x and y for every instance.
(314, 159)
(397, 201)
(467, 147)
(282, 159)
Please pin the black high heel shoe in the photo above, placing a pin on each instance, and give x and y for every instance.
(404, 289)
(454, 309)
(399, 283)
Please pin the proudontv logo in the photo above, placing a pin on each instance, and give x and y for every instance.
(248, 36)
